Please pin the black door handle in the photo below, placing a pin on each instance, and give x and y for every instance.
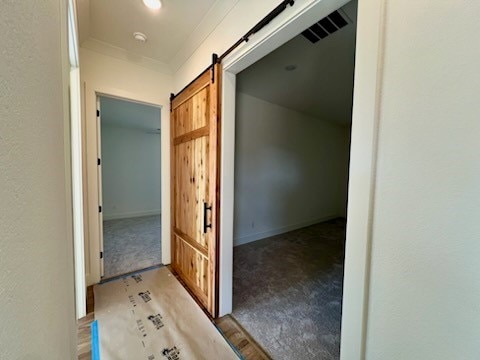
(205, 225)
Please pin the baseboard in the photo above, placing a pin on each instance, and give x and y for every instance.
(131, 215)
(262, 235)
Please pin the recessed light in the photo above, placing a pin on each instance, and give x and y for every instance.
(140, 36)
(290, 67)
(153, 4)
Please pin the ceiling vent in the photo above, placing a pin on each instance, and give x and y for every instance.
(328, 25)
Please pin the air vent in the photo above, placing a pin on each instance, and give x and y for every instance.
(328, 25)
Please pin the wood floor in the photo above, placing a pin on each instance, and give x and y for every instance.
(230, 328)
(84, 335)
(239, 338)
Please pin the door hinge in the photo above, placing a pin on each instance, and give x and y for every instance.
(99, 162)
(101, 254)
(98, 113)
(99, 209)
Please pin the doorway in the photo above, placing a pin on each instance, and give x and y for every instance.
(292, 145)
(130, 178)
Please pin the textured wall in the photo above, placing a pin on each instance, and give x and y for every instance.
(425, 288)
(290, 169)
(129, 80)
(36, 259)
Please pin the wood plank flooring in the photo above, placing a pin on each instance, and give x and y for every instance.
(84, 336)
(239, 338)
(231, 329)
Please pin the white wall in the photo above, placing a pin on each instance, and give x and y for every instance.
(107, 75)
(36, 248)
(425, 270)
(290, 169)
(130, 172)
(241, 18)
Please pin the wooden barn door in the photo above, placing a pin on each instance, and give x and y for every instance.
(195, 186)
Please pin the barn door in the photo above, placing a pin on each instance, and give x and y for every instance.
(195, 186)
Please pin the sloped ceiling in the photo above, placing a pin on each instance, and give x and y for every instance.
(126, 114)
(322, 83)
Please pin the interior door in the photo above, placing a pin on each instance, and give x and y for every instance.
(195, 149)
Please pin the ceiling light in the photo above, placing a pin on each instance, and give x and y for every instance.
(140, 37)
(153, 4)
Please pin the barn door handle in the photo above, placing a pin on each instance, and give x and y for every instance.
(205, 225)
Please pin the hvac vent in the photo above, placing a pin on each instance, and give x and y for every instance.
(328, 25)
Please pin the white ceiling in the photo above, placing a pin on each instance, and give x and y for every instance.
(321, 85)
(113, 23)
(126, 114)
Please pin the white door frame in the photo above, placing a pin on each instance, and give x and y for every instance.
(100, 166)
(362, 160)
(76, 163)
(100, 185)
(92, 92)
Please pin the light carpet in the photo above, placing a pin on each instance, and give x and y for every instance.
(150, 316)
(131, 244)
(288, 291)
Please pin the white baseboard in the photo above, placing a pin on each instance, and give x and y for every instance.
(131, 214)
(264, 234)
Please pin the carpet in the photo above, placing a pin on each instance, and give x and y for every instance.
(131, 244)
(150, 316)
(287, 291)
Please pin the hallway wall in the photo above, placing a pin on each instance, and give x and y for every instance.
(241, 18)
(424, 289)
(108, 75)
(36, 247)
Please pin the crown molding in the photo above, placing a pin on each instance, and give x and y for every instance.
(125, 55)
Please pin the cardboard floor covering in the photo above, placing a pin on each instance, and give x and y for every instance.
(150, 316)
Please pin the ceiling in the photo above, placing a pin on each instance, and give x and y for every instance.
(113, 23)
(322, 83)
(131, 115)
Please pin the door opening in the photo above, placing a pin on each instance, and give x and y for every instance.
(129, 165)
(292, 124)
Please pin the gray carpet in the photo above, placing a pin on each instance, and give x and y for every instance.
(287, 291)
(131, 244)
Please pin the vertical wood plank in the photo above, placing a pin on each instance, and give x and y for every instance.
(195, 182)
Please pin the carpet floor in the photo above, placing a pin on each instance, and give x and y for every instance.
(287, 291)
(131, 244)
